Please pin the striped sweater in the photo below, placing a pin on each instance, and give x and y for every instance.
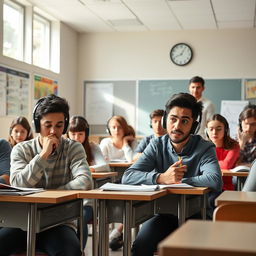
(66, 168)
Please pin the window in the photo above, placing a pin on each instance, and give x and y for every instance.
(13, 30)
(41, 41)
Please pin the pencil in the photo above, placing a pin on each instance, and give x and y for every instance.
(180, 158)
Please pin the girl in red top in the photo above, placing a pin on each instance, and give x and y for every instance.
(227, 149)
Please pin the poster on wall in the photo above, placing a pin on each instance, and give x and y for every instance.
(44, 86)
(250, 88)
(99, 102)
(14, 91)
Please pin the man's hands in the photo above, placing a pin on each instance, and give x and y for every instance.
(128, 138)
(49, 144)
(243, 137)
(173, 174)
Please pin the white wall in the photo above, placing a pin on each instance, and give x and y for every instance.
(67, 78)
(145, 55)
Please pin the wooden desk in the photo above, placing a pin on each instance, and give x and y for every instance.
(186, 201)
(130, 208)
(198, 238)
(236, 197)
(100, 178)
(133, 208)
(119, 168)
(241, 177)
(34, 214)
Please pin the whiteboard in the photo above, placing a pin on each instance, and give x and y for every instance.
(99, 102)
(231, 109)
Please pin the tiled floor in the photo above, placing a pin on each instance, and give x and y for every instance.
(88, 249)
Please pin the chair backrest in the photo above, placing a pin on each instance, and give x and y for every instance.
(235, 212)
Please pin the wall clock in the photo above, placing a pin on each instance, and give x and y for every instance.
(181, 54)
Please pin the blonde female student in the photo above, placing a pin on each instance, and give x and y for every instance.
(227, 149)
(121, 144)
(20, 130)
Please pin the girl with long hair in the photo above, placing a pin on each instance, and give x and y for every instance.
(20, 130)
(227, 149)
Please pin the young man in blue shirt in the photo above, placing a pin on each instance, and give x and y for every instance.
(178, 156)
(156, 125)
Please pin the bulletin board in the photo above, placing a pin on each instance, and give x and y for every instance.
(14, 92)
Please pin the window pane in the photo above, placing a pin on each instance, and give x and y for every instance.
(41, 41)
(13, 30)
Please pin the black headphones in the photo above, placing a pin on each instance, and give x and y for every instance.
(195, 126)
(87, 128)
(36, 119)
(107, 128)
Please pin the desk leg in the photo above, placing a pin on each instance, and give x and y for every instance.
(127, 228)
(94, 229)
(80, 225)
(31, 230)
(103, 228)
(204, 206)
(239, 184)
(182, 209)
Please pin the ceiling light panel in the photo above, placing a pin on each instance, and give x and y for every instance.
(154, 14)
(234, 10)
(194, 14)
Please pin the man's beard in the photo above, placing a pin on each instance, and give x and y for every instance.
(177, 141)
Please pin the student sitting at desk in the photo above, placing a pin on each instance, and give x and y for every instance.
(20, 130)
(121, 144)
(5, 151)
(227, 149)
(178, 156)
(156, 125)
(246, 135)
(48, 161)
(79, 130)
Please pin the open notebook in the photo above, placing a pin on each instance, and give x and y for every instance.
(12, 190)
(141, 188)
(241, 168)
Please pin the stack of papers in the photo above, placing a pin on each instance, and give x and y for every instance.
(141, 188)
(12, 190)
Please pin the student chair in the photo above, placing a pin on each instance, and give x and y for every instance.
(235, 212)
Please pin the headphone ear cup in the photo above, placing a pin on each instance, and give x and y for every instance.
(87, 131)
(66, 124)
(206, 133)
(108, 131)
(163, 120)
(36, 124)
(195, 127)
(150, 124)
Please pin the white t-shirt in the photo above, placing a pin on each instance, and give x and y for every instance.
(110, 152)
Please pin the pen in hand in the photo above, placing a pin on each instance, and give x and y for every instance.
(180, 159)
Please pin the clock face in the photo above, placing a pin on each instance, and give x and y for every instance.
(181, 54)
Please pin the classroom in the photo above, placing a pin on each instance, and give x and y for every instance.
(92, 44)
